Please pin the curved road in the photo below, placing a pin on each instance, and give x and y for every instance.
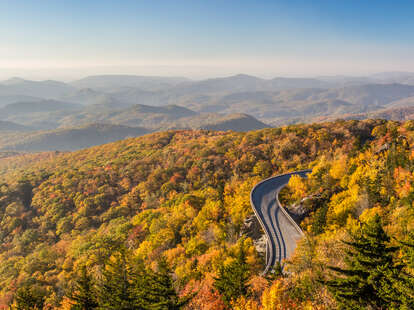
(281, 230)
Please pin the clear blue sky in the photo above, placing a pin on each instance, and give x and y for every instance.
(204, 38)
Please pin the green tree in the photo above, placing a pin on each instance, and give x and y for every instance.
(319, 220)
(232, 279)
(405, 284)
(371, 275)
(162, 294)
(128, 284)
(119, 288)
(28, 297)
(83, 292)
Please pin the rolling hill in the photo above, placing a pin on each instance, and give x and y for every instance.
(180, 200)
(39, 115)
(215, 121)
(137, 115)
(88, 96)
(283, 106)
(247, 83)
(41, 89)
(51, 114)
(10, 126)
(393, 113)
(114, 126)
(67, 139)
(234, 122)
(29, 107)
(121, 99)
(8, 99)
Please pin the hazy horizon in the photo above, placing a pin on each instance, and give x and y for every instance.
(73, 76)
(199, 39)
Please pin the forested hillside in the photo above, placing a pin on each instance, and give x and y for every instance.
(67, 139)
(157, 222)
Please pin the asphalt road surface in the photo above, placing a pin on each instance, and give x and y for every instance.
(281, 230)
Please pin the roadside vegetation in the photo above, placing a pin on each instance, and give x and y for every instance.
(155, 222)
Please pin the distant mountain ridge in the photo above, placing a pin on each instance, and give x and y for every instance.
(68, 139)
(74, 138)
(115, 82)
(38, 106)
(9, 99)
(235, 122)
(214, 121)
(43, 89)
(10, 126)
(393, 113)
(145, 101)
(247, 83)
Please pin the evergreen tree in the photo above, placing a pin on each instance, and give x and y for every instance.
(83, 293)
(162, 294)
(28, 297)
(128, 284)
(119, 288)
(319, 223)
(405, 284)
(232, 280)
(369, 281)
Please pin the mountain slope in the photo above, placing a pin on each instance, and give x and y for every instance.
(8, 99)
(235, 122)
(183, 195)
(42, 89)
(304, 104)
(9, 126)
(247, 83)
(20, 138)
(43, 114)
(395, 114)
(372, 94)
(37, 106)
(137, 115)
(88, 96)
(274, 101)
(68, 138)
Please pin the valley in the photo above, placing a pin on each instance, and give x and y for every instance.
(241, 103)
(181, 198)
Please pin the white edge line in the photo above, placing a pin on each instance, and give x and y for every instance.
(284, 211)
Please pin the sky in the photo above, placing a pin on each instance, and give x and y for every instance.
(68, 39)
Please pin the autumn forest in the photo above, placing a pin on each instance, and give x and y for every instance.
(159, 221)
